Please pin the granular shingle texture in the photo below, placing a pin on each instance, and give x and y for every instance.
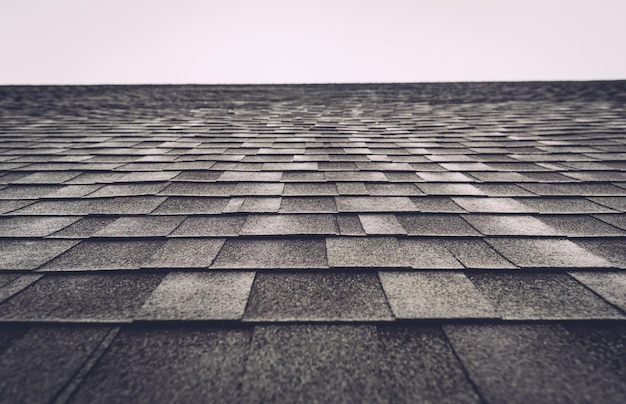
(451, 242)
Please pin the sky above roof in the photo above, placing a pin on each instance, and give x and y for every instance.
(282, 41)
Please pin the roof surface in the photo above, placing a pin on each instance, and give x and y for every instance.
(313, 243)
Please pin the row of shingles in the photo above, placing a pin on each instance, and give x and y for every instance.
(373, 363)
(311, 296)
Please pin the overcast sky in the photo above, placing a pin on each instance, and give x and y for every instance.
(291, 41)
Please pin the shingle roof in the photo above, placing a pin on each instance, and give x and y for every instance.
(449, 242)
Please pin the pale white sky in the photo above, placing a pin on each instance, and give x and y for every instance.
(291, 41)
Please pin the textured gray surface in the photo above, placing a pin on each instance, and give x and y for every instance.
(199, 296)
(35, 368)
(525, 296)
(290, 364)
(82, 298)
(544, 253)
(168, 365)
(524, 363)
(430, 295)
(183, 194)
(269, 254)
(317, 296)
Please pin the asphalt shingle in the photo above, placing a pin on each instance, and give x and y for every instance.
(37, 367)
(183, 253)
(611, 286)
(371, 252)
(199, 296)
(33, 226)
(345, 367)
(169, 364)
(434, 295)
(111, 297)
(436, 225)
(317, 296)
(539, 363)
(29, 254)
(140, 226)
(527, 296)
(104, 255)
(546, 253)
(272, 254)
(285, 224)
(210, 226)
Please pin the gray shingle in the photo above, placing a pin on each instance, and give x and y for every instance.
(304, 189)
(546, 253)
(491, 205)
(563, 205)
(393, 189)
(272, 254)
(11, 284)
(360, 204)
(585, 189)
(182, 205)
(580, 226)
(73, 191)
(37, 366)
(541, 296)
(616, 220)
(434, 295)
(511, 225)
(141, 226)
(17, 192)
(168, 365)
(108, 206)
(47, 177)
(198, 189)
(33, 226)
(452, 189)
(422, 366)
(322, 224)
(111, 297)
(344, 368)
(355, 176)
(381, 224)
(352, 188)
(258, 189)
(349, 225)
(617, 203)
(260, 205)
(539, 363)
(84, 227)
(436, 225)
(371, 252)
(128, 190)
(611, 286)
(315, 296)
(239, 176)
(476, 254)
(611, 250)
(436, 204)
(27, 255)
(184, 253)
(308, 205)
(148, 176)
(199, 296)
(210, 226)
(104, 255)
(427, 254)
(444, 176)
(10, 206)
